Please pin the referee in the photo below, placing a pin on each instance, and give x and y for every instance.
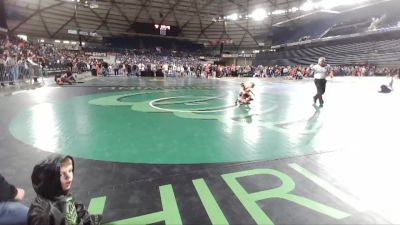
(320, 71)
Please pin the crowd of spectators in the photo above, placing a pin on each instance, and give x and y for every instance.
(20, 59)
(17, 56)
(300, 71)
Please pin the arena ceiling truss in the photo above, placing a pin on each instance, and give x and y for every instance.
(197, 19)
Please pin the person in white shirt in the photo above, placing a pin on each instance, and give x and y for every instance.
(320, 71)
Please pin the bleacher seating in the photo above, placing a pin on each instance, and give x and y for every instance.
(140, 42)
(383, 53)
(282, 35)
(348, 28)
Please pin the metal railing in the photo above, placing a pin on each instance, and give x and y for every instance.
(22, 72)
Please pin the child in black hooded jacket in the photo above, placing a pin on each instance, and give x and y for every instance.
(54, 205)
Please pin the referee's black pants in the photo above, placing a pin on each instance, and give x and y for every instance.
(320, 84)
